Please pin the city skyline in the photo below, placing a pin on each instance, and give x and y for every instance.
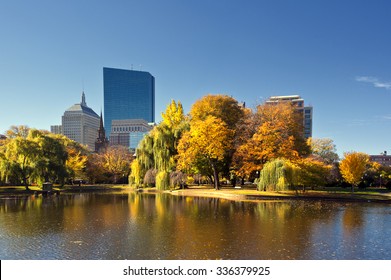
(334, 54)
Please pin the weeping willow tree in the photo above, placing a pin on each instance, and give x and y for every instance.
(158, 149)
(277, 175)
(144, 161)
(163, 152)
(166, 138)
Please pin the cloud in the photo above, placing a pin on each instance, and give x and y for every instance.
(374, 81)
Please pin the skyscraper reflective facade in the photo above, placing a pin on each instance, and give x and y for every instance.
(128, 94)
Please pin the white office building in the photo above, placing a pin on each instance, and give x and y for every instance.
(129, 132)
(81, 124)
(298, 102)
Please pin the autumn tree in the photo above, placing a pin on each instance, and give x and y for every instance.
(94, 169)
(76, 162)
(116, 160)
(230, 113)
(280, 134)
(207, 141)
(353, 167)
(17, 131)
(220, 106)
(245, 129)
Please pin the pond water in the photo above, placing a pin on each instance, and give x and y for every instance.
(148, 226)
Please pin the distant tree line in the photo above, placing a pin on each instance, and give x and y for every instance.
(31, 156)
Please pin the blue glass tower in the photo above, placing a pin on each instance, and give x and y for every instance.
(127, 94)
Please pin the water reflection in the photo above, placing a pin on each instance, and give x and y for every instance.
(148, 226)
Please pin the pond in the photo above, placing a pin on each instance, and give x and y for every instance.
(148, 226)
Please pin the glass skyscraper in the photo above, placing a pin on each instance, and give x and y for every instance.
(128, 94)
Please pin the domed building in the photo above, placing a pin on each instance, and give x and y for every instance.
(81, 123)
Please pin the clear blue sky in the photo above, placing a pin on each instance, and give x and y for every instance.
(335, 54)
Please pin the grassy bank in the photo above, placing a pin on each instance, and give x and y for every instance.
(251, 194)
(248, 193)
(21, 190)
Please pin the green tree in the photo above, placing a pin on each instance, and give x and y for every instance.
(19, 159)
(158, 149)
(52, 157)
(144, 160)
(277, 175)
(324, 149)
(353, 167)
(311, 172)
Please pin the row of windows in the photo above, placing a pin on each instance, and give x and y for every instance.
(129, 129)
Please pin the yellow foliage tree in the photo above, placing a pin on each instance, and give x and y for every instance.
(207, 141)
(173, 116)
(228, 110)
(220, 106)
(353, 167)
(116, 160)
(76, 162)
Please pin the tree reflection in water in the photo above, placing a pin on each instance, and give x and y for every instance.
(160, 226)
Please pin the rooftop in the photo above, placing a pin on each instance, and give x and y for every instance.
(82, 108)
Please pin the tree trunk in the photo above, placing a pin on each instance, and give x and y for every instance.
(211, 179)
(25, 183)
(216, 177)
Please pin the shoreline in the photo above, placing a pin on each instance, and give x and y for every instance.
(254, 195)
(241, 194)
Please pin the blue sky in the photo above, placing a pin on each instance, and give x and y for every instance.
(335, 54)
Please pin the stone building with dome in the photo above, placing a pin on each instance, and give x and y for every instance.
(81, 124)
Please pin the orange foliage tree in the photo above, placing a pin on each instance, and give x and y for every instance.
(279, 134)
